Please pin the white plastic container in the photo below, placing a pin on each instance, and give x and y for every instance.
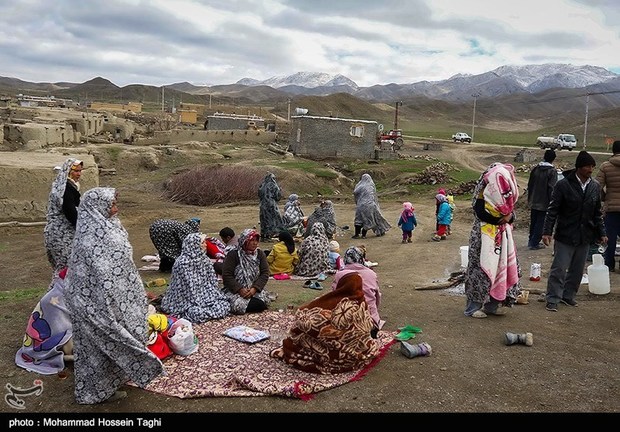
(598, 276)
(464, 256)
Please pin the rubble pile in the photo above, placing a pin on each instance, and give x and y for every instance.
(433, 174)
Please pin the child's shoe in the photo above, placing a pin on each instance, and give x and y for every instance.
(408, 240)
(404, 241)
(435, 237)
(443, 237)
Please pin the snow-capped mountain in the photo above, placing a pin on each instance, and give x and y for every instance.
(302, 79)
(501, 81)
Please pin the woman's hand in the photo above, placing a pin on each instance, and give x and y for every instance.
(247, 292)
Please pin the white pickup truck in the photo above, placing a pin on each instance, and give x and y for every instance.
(461, 136)
(560, 142)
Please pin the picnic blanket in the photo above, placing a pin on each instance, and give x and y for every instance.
(226, 367)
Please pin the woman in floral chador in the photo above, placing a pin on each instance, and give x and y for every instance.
(194, 293)
(367, 212)
(245, 273)
(107, 303)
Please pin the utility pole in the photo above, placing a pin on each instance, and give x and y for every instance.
(473, 119)
(288, 117)
(585, 127)
(399, 103)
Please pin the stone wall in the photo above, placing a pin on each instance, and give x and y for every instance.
(327, 137)
(30, 136)
(26, 179)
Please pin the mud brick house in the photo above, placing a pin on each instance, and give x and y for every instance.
(331, 137)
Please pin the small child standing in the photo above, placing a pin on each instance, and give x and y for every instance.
(444, 217)
(407, 221)
(335, 261)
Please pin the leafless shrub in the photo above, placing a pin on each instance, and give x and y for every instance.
(215, 185)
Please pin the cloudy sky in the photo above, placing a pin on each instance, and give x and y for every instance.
(207, 42)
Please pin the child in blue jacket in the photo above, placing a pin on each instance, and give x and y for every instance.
(407, 222)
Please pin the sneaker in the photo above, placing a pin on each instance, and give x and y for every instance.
(408, 240)
(537, 247)
(569, 302)
(356, 236)
(436, 238)
(497, 312)
(118, 395)
(478, 314)
(551, 307)
(404, 241)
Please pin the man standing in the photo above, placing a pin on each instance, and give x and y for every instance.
(543, 178)
(609, 178)
(575, 213)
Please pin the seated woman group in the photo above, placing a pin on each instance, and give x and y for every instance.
(194, 292)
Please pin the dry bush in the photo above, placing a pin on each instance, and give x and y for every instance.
(215, 185)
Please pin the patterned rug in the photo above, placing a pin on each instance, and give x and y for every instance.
(225, 367)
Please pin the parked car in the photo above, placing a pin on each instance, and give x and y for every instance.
(461, 136)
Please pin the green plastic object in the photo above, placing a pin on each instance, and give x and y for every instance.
(407, 332)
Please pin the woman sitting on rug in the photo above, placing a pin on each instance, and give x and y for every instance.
(325, 214)
(194, 293)
(283, 256)
(313, 253)
(332, 334)
(245, 274)
(354, 263)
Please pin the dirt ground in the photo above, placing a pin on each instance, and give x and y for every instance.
(573, 365)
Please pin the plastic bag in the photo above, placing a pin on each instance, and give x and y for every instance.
(181, 338)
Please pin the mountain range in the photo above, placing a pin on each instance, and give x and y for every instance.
(551, 94)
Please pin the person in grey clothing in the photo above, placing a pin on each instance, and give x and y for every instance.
(543, 178)
(609, 178)
(575, 213)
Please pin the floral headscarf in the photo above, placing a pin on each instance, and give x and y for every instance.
(249, 267)
(354, 255)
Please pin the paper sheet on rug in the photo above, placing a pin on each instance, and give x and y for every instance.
(225, 367)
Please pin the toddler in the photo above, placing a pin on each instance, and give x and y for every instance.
(407, 221)
(444, 218)
(335, 261)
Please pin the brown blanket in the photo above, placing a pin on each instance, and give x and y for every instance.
(331, 334)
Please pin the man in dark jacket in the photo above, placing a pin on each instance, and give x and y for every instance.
(575, 213)
(609, 178)
(543, 178)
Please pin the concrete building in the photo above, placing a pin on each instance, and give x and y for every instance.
(329, 137)
(222, 121)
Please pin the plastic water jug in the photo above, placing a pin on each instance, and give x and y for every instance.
(598, 276)
(464, 256)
